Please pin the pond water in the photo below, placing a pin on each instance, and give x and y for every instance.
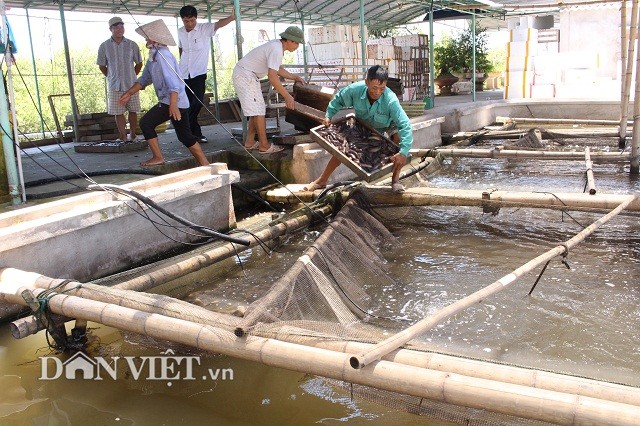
(583, 321)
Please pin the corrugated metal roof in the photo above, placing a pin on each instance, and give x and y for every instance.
(377, 14)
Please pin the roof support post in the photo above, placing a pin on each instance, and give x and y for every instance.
(72, 92)
(7, 137)
(634, 168)
(628, 44)
(35, 74)
(239, 40)
(473, 56)
(432, 85)
(623, 68)
(363, 42)
(304, 46)
(213, 66)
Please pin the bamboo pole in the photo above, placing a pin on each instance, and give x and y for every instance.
(505, 398)
(427, 196)
(399, 339)
(209, 257)
(545, 133)
(624, 104)
(623, 48)
(29, 325)
(525, 120)
(598, 157)
(591, 186)
(151, 303)
(475, 368)
(634, 168)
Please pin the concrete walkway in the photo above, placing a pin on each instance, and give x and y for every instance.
(58, 168)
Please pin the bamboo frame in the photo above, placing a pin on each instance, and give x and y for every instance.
(598, 157)
(626, 85)
(545, 133)
(591, 185)
(427, 196)
(499, 397)
(151, 303)
(29, 325)
(525, 120)
(516, 375)
(399, 339)
(476, 368)
(634, 168)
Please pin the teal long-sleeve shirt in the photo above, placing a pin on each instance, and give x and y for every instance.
(384, 111)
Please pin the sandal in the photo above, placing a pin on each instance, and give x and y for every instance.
(272, 149)
(397, 188)
(313, 187)
(253, 147)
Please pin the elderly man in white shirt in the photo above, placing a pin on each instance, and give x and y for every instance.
(193, 46)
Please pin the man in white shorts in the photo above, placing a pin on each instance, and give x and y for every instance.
(120, 61)
(264, 60)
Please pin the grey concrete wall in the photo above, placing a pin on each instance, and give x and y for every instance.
(97, 234)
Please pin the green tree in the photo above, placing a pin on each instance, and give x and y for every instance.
(447, 56)
(464, 42)
(90, 87)
(455, 54)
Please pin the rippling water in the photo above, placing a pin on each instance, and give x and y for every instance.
(584, 320)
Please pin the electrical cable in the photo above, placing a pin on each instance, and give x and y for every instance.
(85, 176)
(150, 202)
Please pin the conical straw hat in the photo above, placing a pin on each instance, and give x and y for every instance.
(156, 31)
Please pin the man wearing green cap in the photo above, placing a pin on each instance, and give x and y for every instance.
(264, 60)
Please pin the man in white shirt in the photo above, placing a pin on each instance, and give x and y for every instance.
(264, 60)
(193, 46)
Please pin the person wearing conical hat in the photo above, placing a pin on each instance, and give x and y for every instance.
(161, 70)
(264, 60)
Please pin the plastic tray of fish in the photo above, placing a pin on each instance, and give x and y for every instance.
(358, 146)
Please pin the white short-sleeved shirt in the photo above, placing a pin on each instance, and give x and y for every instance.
(263, 57)
(195, 49)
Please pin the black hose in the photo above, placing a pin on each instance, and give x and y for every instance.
(173, 216)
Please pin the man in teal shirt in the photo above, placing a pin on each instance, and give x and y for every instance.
(377, 105)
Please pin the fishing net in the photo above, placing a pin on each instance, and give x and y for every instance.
(326, 289)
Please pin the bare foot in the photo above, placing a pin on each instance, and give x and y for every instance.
(152, 162)
(314, 186)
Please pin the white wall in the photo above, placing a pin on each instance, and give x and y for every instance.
(593, 32)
